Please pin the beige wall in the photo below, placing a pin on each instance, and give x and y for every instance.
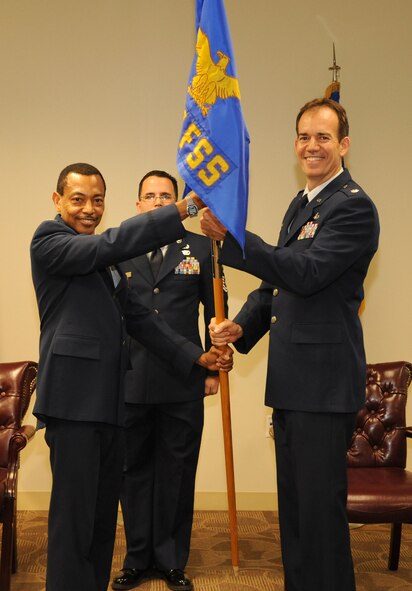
(104, 81)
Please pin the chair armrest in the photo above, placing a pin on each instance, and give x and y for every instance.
(17, 442)
(28, 431)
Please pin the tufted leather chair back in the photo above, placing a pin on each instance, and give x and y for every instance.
(379, 438)
(17, 382)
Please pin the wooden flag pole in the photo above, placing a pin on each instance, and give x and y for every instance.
(225, 404)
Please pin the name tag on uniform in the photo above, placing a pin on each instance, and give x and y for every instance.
(189, 266)
(308, 230)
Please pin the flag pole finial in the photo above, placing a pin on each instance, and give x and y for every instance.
(335, 68)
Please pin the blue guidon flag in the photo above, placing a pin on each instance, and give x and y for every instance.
(213, 150)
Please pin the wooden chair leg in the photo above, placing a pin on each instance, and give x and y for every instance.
(7, 546)
(395, 546)
(14, 548)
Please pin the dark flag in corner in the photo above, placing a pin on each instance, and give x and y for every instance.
(213, 150)
(333, 90)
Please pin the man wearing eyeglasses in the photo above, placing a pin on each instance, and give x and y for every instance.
(164, 415)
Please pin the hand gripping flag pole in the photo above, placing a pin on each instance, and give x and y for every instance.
(213, 160)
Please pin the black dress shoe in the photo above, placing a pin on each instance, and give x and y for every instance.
(129, 578)
(176, 580)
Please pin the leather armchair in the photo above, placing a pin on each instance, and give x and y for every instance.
(379, 487)
(17, 383)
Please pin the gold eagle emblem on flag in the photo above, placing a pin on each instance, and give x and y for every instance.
(211, 81)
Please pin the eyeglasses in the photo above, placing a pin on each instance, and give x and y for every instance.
(153, 197)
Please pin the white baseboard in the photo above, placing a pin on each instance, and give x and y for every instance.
(204, 501)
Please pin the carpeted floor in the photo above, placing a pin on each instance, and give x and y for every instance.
(210, 564)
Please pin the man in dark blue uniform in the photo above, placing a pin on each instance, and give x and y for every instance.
(164, 414)
(85, 310)
(309, 302)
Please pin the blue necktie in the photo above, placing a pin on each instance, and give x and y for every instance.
(303, 203)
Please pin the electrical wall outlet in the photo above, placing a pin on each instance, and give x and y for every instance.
(269, 426)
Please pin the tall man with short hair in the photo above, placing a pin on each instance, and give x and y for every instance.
(164, 414)
(309, 301)
(85, 309)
